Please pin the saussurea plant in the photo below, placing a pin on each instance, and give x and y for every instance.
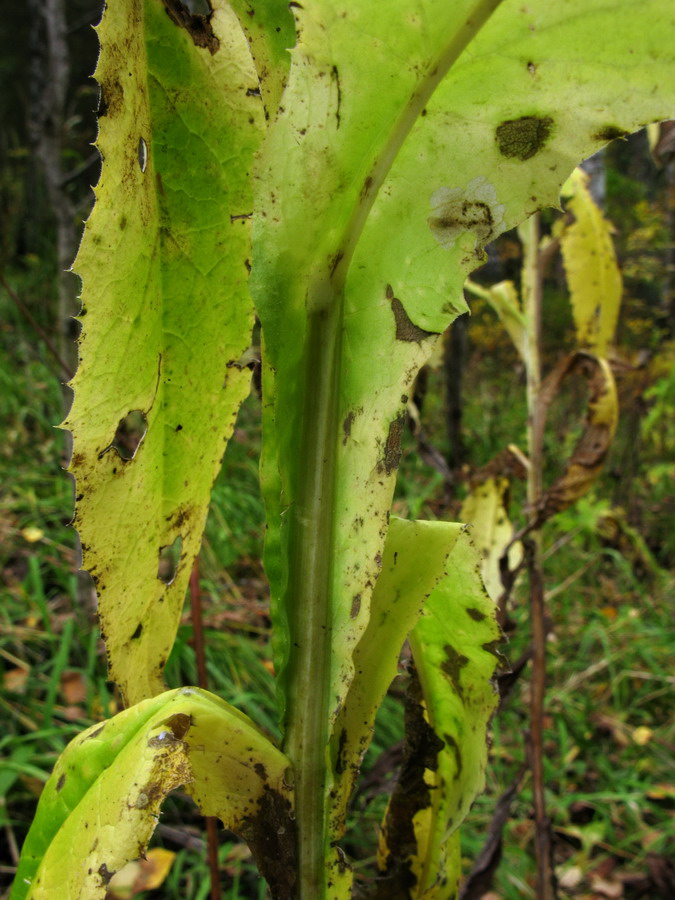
(343, 189)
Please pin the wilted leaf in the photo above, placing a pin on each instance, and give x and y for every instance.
(591, 450)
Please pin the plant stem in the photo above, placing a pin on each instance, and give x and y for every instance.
(532, 304)
(198, 645)
(310, 585)
(313, 520)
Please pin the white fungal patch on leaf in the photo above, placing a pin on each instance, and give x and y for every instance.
(475, 209)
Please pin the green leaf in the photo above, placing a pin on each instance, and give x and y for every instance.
(350, 304)
(592, 270)
(454, 648)
(270, 30)
(166, 313)
(417, 556)
(405, 141)
(101, 804)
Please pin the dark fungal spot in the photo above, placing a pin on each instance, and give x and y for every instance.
(60, 782)
(356, 606)
(412, 794)
(454, 746)
(523, 138)
(197, 26)
(476, 614)
(340, 761)
(111, 98)
(347, 425)
(610, 133)
(452, 667)
(270, 832)
(137, 633)
(406, 330)
(95, 733)
(105, 874)
(260, 771)
(253, 92)
(392, 447)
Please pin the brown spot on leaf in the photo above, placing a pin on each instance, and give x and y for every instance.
(60, 782)
(476, 614)
(271, 835)
(347, 425)
(198, 27)
(392, 447)
(105, 874)
(95, 733)
(610, 133)
(454, 746)
(411, 795)
(452, 666)
(111, 98)
(406, 330)
(356, 606)
(340, 761)
(523, 138)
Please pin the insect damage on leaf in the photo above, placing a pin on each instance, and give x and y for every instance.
(197, 26)
(523, 138)
(474, 209)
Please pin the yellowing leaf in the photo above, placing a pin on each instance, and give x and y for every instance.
(166, 315)
(484, 509)
(593, 274)
(102, 801)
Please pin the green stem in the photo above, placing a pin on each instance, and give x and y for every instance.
(307, 732)
(313, 523)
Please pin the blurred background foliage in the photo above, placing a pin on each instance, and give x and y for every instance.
(610, 559)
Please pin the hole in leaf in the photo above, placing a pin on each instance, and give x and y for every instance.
(169, 558)
(130, 432)
(142, 154)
